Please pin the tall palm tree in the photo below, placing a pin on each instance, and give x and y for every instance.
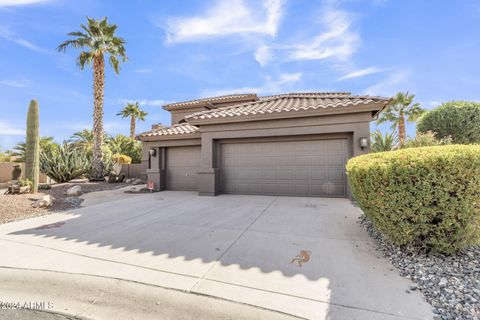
(399, 110)
(96, 41)
(133, 111)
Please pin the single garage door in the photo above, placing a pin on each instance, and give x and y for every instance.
(182, 168)
(290, 168)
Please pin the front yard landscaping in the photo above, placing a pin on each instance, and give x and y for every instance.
(19, 206)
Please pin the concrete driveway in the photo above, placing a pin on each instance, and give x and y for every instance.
(306, 257)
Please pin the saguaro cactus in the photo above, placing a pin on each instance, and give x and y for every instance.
(32, 154)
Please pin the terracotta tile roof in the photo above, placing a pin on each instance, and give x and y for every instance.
(205, 101)
(176, 129)
(290, 102)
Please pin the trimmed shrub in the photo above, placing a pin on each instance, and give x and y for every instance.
(427, 197)
(459, 120)
(121, 159)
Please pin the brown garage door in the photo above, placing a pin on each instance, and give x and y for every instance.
(182, 167)
(293, 168)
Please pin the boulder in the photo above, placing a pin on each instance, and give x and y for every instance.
(137, 181)
(74, 191)
(44, 202)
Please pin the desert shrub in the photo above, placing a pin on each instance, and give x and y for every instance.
(121, 159)
(427, 139)
(125, 145)
(64, 162)
(426, 197)
(459, 120)
(384, 142)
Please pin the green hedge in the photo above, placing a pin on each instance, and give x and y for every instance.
(426, 197)
(459, 120)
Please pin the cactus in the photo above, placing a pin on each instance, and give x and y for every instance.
(32, 155)
(63, 163)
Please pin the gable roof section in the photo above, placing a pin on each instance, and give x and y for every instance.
(289, 103)
(245, 97)
(177, 129)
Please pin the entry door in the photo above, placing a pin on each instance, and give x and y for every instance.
(290, 168)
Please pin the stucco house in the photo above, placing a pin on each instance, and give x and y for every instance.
(293, 144)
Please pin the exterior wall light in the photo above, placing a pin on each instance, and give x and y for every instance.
(363, 142)
(152, 152)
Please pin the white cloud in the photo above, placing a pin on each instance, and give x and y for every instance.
(143, 70)
(16, 3)
(228, 17)
(397, 81)
(144, 102)
(19, 83)
(263, 55)
(7, 130)
(269, 86)
(360, 73)
(336, 41)
(9, 36)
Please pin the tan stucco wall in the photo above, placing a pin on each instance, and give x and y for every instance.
(6, 172)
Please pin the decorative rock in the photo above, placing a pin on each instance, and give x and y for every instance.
(44, 202)
(74, 191)
(451, 284)
(137, 181)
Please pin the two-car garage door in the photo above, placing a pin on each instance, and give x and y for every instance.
(298, 168)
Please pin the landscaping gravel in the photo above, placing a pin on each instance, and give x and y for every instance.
(451, 284)
(19, 206)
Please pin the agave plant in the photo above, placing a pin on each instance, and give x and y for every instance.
(64, 162)
(381, 142)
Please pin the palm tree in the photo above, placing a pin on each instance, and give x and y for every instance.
(401, 108)
(133, 111)
(83, 140)
(97, 40)
(381, 142)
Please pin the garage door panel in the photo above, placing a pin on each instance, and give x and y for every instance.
(302, 168)
(182, 168)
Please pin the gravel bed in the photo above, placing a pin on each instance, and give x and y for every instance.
(19, 206)
(451, 284)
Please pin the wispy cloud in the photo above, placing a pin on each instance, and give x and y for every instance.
(10, 36)
(18, 83)
(7, 130)
(143, 70)
(143, 102)
(360, 73)
(228, 17)
(337, 40)
(396, 81)
(263, 55)
(269, 86)
(16, 3)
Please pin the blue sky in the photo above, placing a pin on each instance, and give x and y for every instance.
(179, 50)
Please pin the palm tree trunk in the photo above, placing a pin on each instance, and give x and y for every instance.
(401, 129)
(97, 173)
(132, 127)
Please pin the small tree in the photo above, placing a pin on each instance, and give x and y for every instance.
(459, 120)
(133, 111)
(400, 110)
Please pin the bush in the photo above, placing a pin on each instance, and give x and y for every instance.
(426, 197)
(121, 159)
(427, 139)
(458, 119)
(125, 145)
(64, 162)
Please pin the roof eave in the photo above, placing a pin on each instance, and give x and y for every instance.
(193, 135)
